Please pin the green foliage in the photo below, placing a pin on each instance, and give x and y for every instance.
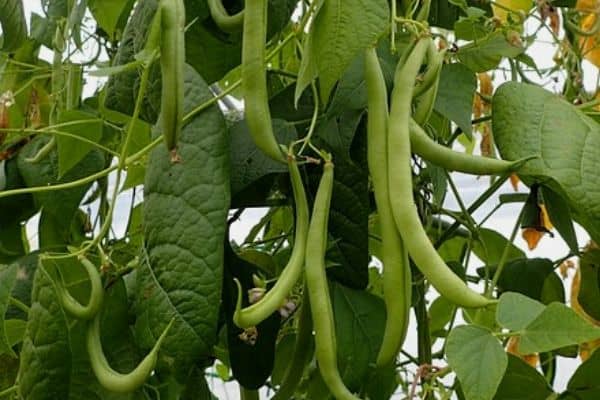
(175, 195)
(561, 137)
(84, 172)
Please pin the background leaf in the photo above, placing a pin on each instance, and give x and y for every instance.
(478, 359)
(530, 121)
(515, 311)
(14, 27)
(557, 326)
(340, 30)
(584, 383)
(454, 99)
(522, 382)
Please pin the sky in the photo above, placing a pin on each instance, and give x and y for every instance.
(469, 187)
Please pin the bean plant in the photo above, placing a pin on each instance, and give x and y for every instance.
(138, 137)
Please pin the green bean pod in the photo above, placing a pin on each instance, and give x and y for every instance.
(275, 297)
(452, 160)
(318, 290)
(172, 65)
(254, 79)
(426, 100)
(72, 306)
(108, 377)
(404, 208)
(301, 354)
(396, 269)
(225, 22)
(435, 61)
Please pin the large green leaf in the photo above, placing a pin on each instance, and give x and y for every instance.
(589, 289)
(530, 121)
(557, 326)
(45, 356)
(359, 325)
(490, 245)
(54, 361)
(21, 290)
(584, 383)
(14, 27)
(185, 211)
(248, 163)
(109, 13)
(532, 277)
(486, 53)
(522, 382)
(14, 208)
(340, 30)
(478, 359)
(515, 311)
(455, 95)
(70, 149)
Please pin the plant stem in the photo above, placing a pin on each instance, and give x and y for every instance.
(19, 304)
(8, 391)
(424, 339)
(504, 256)
(473, 207)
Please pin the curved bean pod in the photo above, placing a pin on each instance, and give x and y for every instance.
(72, 306)
(172, 65)
(452, 160)
(275, 297)
(108, 377)
(404, 209)
(396, 269)
(318, 290)
(254, 79)
(426, 99)
(225, 22)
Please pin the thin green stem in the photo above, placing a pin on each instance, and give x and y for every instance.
(60, 186)
(460, 202)
(30, 82)
(313, 122)
(504, 256)
(19, 304)
(10, 390)
(473, 207)
(136, 113)
(120, 167)
(210, 102)
(66, 134)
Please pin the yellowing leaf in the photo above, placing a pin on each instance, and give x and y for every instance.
(587, 348)
(513, 5)
(532, 236)
(511, 348)
(544, 218)
(586, 5)
(514, 181)
(486, 87)
(589, 44)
